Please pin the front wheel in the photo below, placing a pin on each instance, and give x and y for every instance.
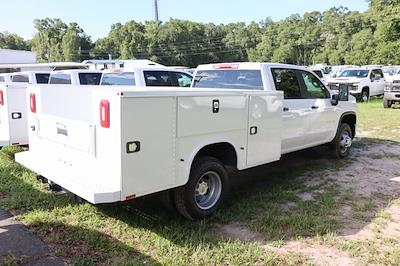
(342, 142)
(364, 95)
(206, 190)
(387, 103)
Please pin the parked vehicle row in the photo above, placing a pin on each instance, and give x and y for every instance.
(119, 142)
(13, 86)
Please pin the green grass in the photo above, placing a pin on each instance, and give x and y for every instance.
(266, 199)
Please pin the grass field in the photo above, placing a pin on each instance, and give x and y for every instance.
(287, 213)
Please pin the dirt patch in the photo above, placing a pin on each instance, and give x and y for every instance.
(237, 231)
(372, 179)
(320, 255)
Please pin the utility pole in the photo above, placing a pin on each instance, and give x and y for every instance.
(156, 10)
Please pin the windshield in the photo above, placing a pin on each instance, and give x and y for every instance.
(358, 73)
(229, 79)
(318, 73)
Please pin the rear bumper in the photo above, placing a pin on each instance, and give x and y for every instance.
(63, 175)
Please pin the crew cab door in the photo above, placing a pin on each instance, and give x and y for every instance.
(296, 111)
(377, 81)
(322, 119)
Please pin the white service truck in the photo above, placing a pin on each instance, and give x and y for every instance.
(116, 143)
(362, 82)
(149, 76)
(13, 105)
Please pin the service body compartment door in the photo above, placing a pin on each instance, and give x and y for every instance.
(264, 128)
(148, 129)
(17, 115)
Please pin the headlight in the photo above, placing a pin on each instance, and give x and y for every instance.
(388, 86)
(354, 86)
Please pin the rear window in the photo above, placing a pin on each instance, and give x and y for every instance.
(157, 78)
(229, 79)
(20, 78)
(89, 78)
(60, 78)
(124, 79)
(42, 78)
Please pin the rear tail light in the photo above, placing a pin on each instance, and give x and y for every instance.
(32, 102)
(105, 113)
(1, 98)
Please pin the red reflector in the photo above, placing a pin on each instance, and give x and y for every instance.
(130, 197)
(105, 113)
(226, 66)
(1, 98)
(32, 102)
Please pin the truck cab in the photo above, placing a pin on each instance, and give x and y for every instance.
(311, 114)
(363, 82)
(146, 77)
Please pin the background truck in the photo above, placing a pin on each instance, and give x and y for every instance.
(150, 76)
(75, 77)
(363, 82)
(119, 143)
(392, 92)
(13, 105)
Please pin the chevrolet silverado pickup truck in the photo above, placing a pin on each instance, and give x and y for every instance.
(119, 143)
(362, 82)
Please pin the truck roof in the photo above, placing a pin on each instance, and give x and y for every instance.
(73, 71)
(142, 68)
(247, 65)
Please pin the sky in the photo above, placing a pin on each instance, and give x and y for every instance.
(96, 16)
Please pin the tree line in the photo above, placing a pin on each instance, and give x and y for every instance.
(335, 36)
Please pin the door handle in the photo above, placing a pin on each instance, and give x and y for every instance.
(285, 109)
(314, 107)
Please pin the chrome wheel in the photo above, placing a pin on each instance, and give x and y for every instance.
(208, 190)
(345, 142)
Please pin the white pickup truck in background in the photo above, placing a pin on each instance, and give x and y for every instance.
(149, 76)
(118, 143)
(363, 82)
(13, 105)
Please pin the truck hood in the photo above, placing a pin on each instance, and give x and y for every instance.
(345, 80)
(391, 78)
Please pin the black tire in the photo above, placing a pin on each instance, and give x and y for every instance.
(364, 97)
(387, 103)
(167, 200)
(195, 207)
(340, 143)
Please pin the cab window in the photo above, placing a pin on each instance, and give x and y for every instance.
(242, 79)
(313, 86)
(20, 78)
(286, 80)
(60, 78)
(2, 79)
(122, 78)
(157, 78)
(42, 78)
(182, 79)
(89, 78)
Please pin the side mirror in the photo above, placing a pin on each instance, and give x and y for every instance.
(335, 99)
